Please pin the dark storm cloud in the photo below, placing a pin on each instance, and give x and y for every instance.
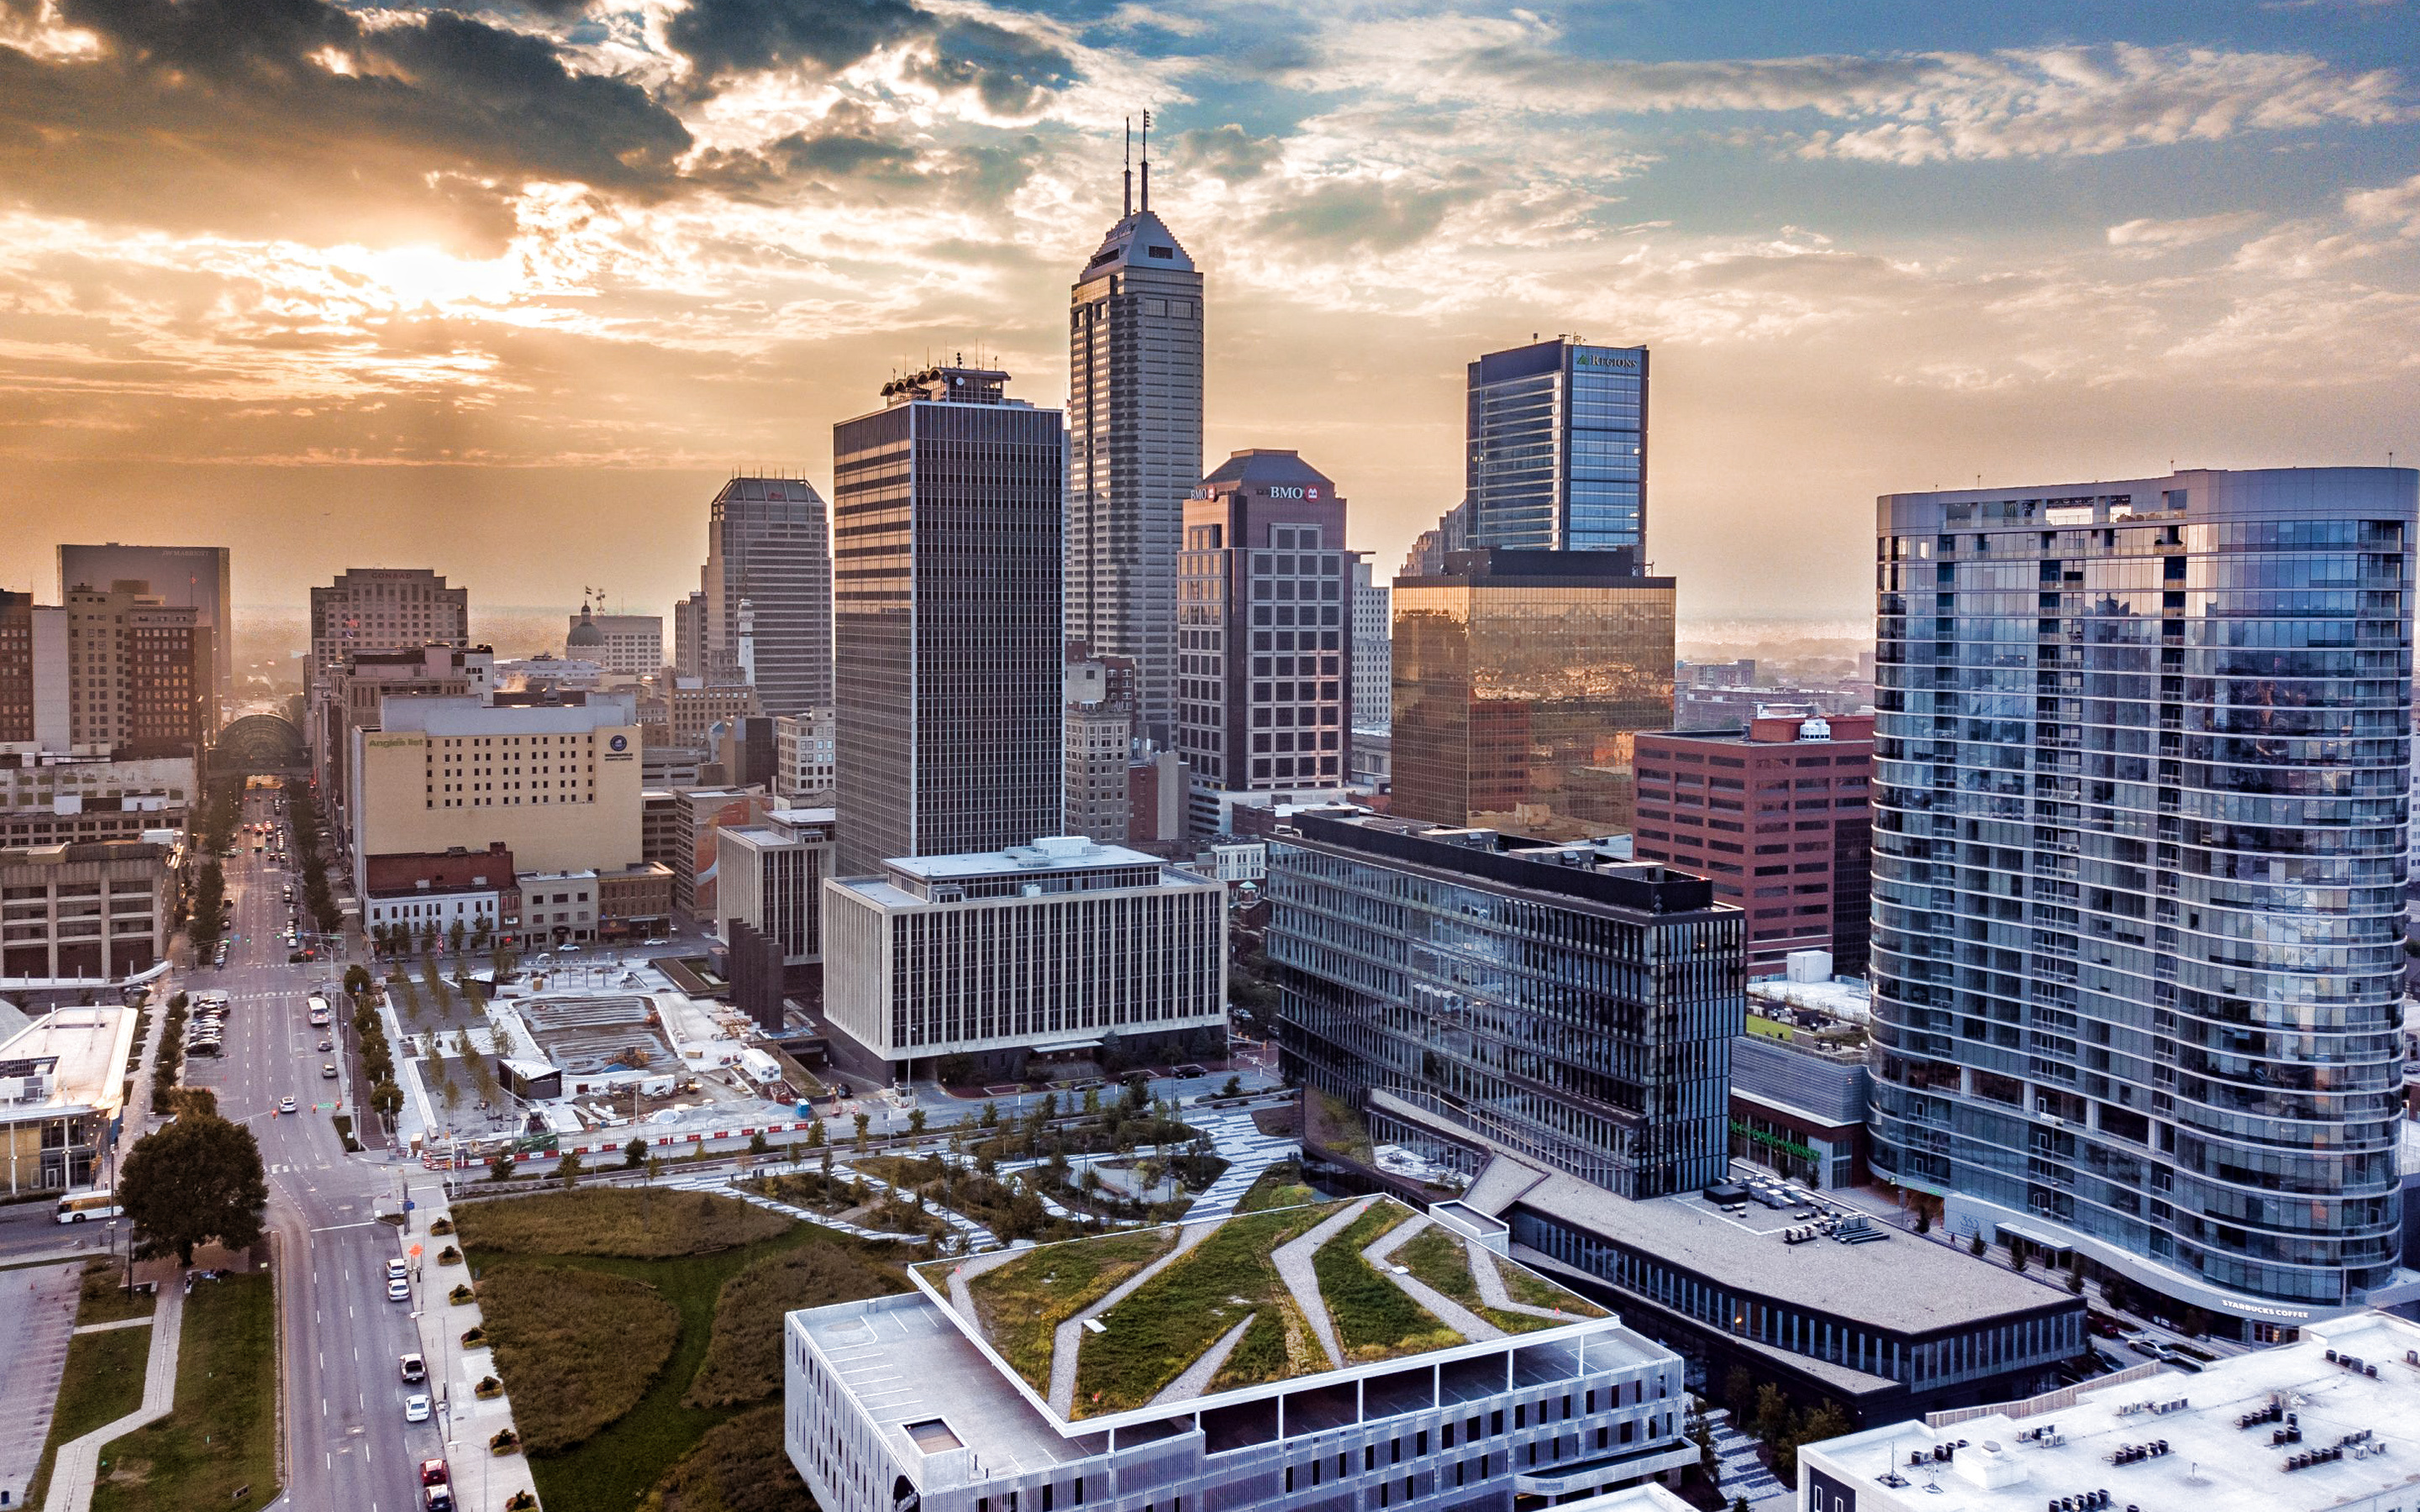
(227, 113)
(723, 38)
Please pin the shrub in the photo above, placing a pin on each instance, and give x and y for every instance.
(505, 1442)
(449, 1255)
(474, 1336)
(442, 1226)
(459, 1295)
(520, 1502)
(489, 1387)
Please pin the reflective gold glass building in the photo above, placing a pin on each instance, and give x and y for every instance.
(1520, 679)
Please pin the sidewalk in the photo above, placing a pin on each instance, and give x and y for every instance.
(78, 1466)
(483, 1479)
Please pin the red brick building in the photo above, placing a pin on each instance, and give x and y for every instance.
(1775, 816)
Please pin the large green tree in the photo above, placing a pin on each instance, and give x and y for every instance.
(195, 1181)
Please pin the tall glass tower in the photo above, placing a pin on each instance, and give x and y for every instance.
(767, 546)
(2140, 773)
(1557, 448)
(1134, 450)
(946, 513)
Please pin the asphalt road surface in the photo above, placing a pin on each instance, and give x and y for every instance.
(348, 1445)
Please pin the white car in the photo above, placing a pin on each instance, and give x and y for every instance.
(286, 1104)
(399, 1290)
(416, 1409)
(395, 1270)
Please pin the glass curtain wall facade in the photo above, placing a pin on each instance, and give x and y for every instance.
(1520, 682)
(1134, 439)
(767, 546)
(2140, 776)
(1557, 448)
(947, 719)
(1575, 1010)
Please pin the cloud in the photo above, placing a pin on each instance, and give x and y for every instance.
(2160, 235)
(1010, 70)
(2397, 206)
(1227, 153)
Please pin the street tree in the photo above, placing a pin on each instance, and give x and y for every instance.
(386, 1100)
(192, 1181)
(916, 1120)
(567, 1169)
(635, 1154)
(455, 933)
(862, 1122)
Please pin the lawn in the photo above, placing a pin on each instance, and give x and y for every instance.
(221, 1436)
(102, 1383)
(1280, 1186)
(1439, 1258)
(629, 1222)
(618, 1467)
(1375, 1319)
(577, 1348)
(1022, 1303)
(1529, 1287)
(743, 1363)
(1167, 1321)
(102, 1299)
(739, 1466)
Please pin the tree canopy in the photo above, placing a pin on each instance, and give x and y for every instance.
(195, 1181)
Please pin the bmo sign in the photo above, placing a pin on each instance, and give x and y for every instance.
(1294, 490)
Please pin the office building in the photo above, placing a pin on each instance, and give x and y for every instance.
(946, 509)
(697, 713)
(110, 671)
(1429, 549)
(1557, 448)
(1578, 1009)
(556, 784)
(1521, 679)
(64, 1075)
(2140, 759)
(1134, 439)
(634, 902)
(179, 576)
(1095, 741)
(768, 548)
(385, 609)
(72, 800)
(417, 898)
(1158, 792)
(1774, 814)
(922, 1399)
(1372, 656)
(770, 877)
(688, 637)
(92, 914)
(1056, 947)
(1265, 632)
(559, 907)
(624, 645)
(803, 764)
(690, 843)
(2309, 1425)
(1799, 1083)
(348, 696)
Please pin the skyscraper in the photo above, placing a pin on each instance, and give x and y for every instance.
(767, 546)
(1263, 634)
(2140, 767)
(1373, 654)
(1133, 449)
(1557, 448)
(194, 577)
(689, 636)
(946, 511)
(1520, 680)
(385, 609)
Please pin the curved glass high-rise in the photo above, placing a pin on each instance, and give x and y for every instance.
(2140, 772)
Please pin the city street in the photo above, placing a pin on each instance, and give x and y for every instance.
(348, 1445)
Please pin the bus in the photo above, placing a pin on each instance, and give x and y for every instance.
(98, 1203)
(319, 1008)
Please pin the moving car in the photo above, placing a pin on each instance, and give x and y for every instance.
(327, 1071)
(413, 1368)
(326, 1045)
(416, 1409)
(286, 1104)
(399, 1290)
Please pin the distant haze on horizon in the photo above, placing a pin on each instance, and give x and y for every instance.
(508, 291)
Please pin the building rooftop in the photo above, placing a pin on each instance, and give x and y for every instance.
(469, 716)
(71, 1060)
(1053, 853)
(1579, 870)
(1126, 1327)
(2219, 1431)
(1267, 464)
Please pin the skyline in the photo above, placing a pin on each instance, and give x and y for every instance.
(552, 263)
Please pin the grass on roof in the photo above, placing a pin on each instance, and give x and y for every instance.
(1524, 1285)
(1173, 1318)
(1019, 1305)
(1438, 1257)
(1375, 1319)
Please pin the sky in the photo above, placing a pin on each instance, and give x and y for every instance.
(506, 290)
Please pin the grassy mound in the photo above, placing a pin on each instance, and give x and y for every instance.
(743, 1363)
(632, 1222)
(1022, 1303)
(739, 1466)
(1375, 1319)
(222, 1435)
(577, 1348)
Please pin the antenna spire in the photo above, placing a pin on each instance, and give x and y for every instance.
(1129, 197)
(1146, 161)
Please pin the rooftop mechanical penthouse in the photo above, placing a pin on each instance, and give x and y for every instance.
(1339, 1355)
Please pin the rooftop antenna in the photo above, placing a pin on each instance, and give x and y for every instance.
(1129, 209)
(1146, 162)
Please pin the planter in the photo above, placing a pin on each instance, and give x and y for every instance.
(474, 1338)
(522, 1501)
(440, 1225)
(459, 1295)
(505, 1442)
(489, 1388)
(449, 1255)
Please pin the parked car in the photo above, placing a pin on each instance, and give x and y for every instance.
(416, 1409)
(327, 1071)
(326, 1045)
(413, 1368)
(395, 1271)
(399, 1290)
